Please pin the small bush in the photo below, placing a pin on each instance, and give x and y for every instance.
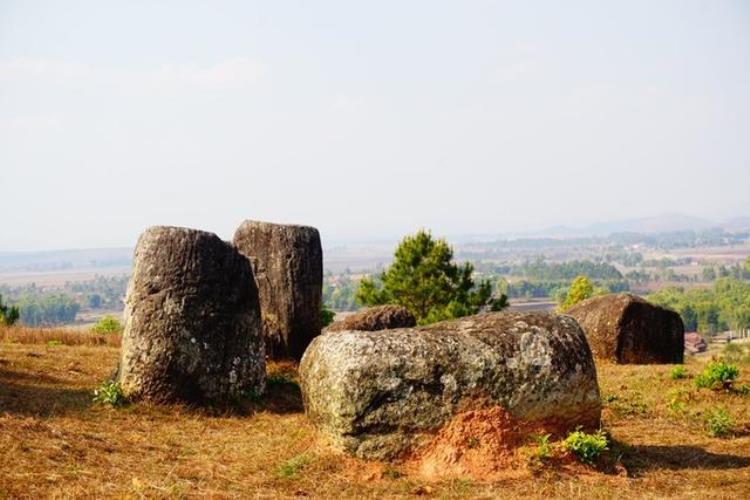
(106, 325)
(53, 343)
(609, 398)
(293, 466)
(587, 447)
(719, 423)
(678, 372)
(543, 446)
(717, 375)
(326, 316)
(109, 393)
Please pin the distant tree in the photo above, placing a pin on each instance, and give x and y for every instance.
(95, 301)
(8, 314)
(326, 316)
(580, 289)
(107, 324)
(424, 279)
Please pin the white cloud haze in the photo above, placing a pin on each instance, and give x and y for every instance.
(367, 120)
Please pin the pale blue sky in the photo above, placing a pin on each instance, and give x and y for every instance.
(367, 120)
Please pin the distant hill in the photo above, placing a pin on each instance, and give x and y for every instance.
(645, 225)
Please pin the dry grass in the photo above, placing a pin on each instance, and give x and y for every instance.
(54, 442)
(57, 336)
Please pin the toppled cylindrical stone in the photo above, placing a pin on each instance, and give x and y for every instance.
(380, 394)
(625, 328)
(376, 318)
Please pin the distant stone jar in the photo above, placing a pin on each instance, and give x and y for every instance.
(287, 265)
(376, 318)
(192, 321)
(624, 328)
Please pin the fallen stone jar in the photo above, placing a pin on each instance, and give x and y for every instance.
(382, 394)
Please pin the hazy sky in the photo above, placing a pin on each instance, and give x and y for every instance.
(367, 119)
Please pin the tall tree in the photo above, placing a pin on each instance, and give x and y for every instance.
(424, 279)
(8, 314)
(580, 289)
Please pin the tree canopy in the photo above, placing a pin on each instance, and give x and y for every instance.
(724, 306)
(581, 289)
(424, 279)
(8, 314)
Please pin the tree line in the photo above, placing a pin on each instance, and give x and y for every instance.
(724, 306)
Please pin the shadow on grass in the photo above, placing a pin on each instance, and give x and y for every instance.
(41, 401)
(654, 457)
(282, 396)
(22, 377)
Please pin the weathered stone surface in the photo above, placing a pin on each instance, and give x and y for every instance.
(288, 268)
(192, 320)
(380, 394)
(625, 328)
(376, 318)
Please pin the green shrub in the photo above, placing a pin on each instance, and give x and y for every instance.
(717, 375)
(719, 423)
(678, 372)
(543, 446)
(109, 393)
(106, 325)
(587, 447)
(293, 466)
(326, 316)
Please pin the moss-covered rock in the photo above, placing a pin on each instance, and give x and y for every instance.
(380, 394)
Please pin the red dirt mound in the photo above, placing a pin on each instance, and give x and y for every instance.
(476, 443)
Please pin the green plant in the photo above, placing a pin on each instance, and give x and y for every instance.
(109, 393)
(326, 316)
(719, 423)
(717, 375)
(580, 290)
(106, 325)
(543, 446)
(424, 278)
(53, 343)
(587, 447)
(293, 466)
(609, 398)
(677, 372)
(8, 314)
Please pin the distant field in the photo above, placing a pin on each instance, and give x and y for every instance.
(55, 442)
(59, 278)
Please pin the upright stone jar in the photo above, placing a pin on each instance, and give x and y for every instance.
(192, 320)
(287, 264)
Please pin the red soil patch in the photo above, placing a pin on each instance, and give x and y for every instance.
(479, 444)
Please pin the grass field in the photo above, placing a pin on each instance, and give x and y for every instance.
(54, 442)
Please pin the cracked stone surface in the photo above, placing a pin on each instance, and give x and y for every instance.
(192, 320)
(380, 394)
(287, 265)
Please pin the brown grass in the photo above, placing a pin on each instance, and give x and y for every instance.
(63, 336)
(54, 442)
